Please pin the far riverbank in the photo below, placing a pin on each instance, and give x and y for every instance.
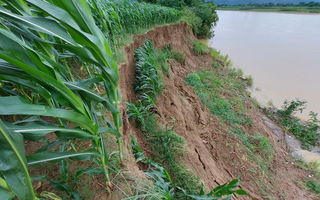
(293, 9)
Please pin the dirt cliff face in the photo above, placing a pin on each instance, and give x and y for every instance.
(214, 155)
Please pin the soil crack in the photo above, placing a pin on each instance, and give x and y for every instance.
(203, 165)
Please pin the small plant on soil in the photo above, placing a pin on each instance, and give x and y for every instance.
(216, 65)
(200, 48)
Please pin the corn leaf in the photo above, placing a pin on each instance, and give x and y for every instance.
(18, 106)
(87, 35)
(35, 88)
(13, 163)
(34, 131)
(90, 95)
(48, 156)
(6, 195)
(50, 195)
(41, 24)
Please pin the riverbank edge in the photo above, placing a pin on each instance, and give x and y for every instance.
(267, 10)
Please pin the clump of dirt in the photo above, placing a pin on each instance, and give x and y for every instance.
(211, 152)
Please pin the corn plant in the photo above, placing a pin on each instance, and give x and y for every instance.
(117, 18)
(107, 19)
(140, 110)
(134, 15)
(36, 81)
(148, 78)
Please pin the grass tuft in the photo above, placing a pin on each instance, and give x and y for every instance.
(200, 48)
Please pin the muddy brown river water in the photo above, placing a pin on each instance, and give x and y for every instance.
(280, 50)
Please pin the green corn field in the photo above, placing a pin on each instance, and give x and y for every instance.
(117, 18)
(41, 43)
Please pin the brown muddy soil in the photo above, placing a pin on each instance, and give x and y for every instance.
(214, 155)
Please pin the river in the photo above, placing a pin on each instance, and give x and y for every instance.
(280, 50)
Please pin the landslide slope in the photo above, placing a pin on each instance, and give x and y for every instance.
(213, 154)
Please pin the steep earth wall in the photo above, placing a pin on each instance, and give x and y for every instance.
(211, 153)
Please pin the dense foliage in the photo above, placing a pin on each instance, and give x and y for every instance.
(117, 18)
(57, 75)
(200, 14)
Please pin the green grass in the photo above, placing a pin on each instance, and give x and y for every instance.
(218, 57)
(311, 183)
(216, 65)
(167, 149)
(210, 87)
(200, 48)
(313, 186)
(161, 58)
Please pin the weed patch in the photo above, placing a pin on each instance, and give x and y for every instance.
(210, 88)
(200, 48)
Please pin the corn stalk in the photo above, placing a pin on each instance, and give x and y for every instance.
(29, 62)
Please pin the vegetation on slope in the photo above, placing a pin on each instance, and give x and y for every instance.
(223, 91)
(167, 150)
